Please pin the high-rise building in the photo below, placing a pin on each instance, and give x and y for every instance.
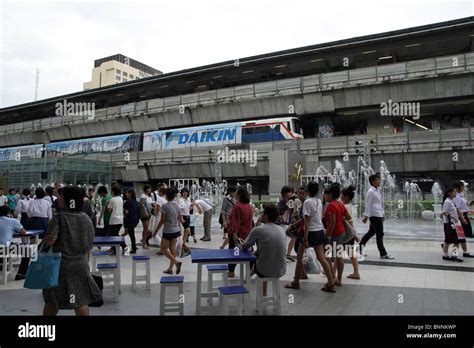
(117, 69)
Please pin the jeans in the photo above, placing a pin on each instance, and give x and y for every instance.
(376, 227)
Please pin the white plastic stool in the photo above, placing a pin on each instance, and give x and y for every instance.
(7, 265)
(273, 300)
(233, 292)
(165, 307)
(216, 269)
(109, 273)
(96, 255)
(146, 277)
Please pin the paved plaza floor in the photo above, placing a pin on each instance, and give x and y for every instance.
(416, 282)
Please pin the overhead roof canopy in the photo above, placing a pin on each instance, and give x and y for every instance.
(427, 41)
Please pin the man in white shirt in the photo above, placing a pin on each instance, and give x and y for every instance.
(115, 207)
(375, 214)
(3, 198)
(202, 207)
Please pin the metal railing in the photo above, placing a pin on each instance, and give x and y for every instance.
(352, 77)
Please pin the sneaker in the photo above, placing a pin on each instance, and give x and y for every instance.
(387, 257)
(195, 240)
(454, 258)
(447, 258)
(133, 251)
(467, 255)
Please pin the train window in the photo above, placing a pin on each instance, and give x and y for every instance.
(296, 126)
(259, 130)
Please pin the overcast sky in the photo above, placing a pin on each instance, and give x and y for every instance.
(63, 38)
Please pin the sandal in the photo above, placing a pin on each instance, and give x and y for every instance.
(168, 271)
(178, 267)
(292, 285)
(337, 283)
(353, 276)
(328, 288)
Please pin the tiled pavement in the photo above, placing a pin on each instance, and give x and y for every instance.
(386, 288)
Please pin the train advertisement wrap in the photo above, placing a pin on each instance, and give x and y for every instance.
(21, 152)
(193, 137)
(115, 143)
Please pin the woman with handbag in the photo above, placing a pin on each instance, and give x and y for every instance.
(450, 219)
(313, 236)
(335, 214)
(347, 195)
(145, 213)
(71, 233)
(241, 219)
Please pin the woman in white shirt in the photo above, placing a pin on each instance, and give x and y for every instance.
(314, 237)
(39, 211)
(22, 208)
(450, 219)
(115, 207)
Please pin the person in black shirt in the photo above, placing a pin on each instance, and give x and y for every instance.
(132, 214)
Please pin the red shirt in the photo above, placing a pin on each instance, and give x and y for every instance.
(241, 219)
(339, 211)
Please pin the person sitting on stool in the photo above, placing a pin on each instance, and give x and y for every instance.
(271, 246)
(8, 226)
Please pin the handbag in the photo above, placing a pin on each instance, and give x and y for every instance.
(459, 230)
(100, 284)
(296, 230)
(144, 216)
(44, 272)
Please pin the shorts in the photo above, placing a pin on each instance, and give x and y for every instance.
(187, 221)
(450, 234)
(171, 236)
(316, 238)
(350, 242)
(339, 239)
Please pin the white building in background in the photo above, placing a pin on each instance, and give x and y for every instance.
(117, 69)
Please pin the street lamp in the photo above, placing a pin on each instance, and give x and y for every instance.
(44, 173)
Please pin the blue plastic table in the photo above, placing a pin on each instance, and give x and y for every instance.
(115, 242)
(30, 233)
(220, 256)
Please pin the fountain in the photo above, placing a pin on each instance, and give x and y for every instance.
(438, 197)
